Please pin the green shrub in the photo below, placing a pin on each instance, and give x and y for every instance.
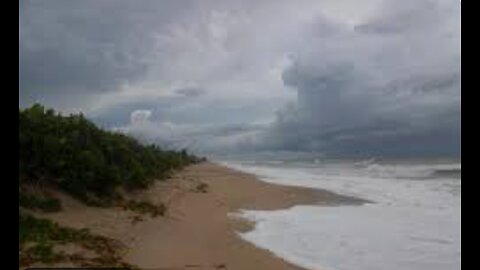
(144, 207)
(202, 188)
(71, 153)
(43, 252)
(37, 238)
(39, 203)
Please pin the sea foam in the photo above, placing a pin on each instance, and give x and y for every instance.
(413, 222)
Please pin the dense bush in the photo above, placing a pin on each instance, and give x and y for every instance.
(36, 202)
(71, 153)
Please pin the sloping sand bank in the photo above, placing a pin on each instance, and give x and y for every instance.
(197, 232)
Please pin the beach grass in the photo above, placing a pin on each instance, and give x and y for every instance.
(39, 237)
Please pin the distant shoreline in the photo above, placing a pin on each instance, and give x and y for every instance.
(197, 230)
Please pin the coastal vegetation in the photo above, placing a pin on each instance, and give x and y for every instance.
(40, 240)
(144, 207)
(70, 154)
(201, 188)
(38, 202)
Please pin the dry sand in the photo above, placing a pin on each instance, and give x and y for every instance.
(196, 232)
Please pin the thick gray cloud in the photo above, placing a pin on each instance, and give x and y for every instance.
(190, 92)
(390, 85)
(339, 77)
(71, 50)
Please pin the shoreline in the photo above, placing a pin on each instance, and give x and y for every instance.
(198, 231)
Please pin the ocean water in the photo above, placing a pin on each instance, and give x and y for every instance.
(412, 222)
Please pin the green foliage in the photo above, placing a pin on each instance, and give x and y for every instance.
(201, 188)
(144, 207)
(38, 237)
(71, 153)
(36, 202)
(32, 229)
(42, 252)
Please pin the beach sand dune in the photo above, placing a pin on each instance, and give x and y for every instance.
(197, 231)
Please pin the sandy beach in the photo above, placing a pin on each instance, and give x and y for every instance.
(197, 232)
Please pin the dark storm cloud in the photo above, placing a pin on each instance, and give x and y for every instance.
(372, 76)
(395, 89)
(77, 48)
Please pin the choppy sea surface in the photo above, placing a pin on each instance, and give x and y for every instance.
(412, 223)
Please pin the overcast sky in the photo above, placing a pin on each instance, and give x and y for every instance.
(329, 76)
